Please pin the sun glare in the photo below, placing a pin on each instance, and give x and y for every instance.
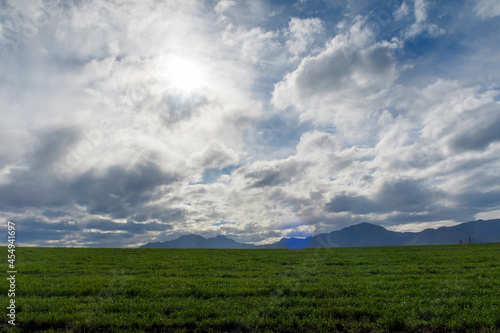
(183, 74)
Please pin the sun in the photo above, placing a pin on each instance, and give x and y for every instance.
(183, 74)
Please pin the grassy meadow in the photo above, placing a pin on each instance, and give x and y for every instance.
(384, 289)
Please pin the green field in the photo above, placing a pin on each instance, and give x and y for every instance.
(420, 289)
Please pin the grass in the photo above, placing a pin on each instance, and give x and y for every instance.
(385, 289)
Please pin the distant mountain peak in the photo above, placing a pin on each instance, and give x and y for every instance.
(362, 234)
(221, 237)
(366, 225)
(192, 236)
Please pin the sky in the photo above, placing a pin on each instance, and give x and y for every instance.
(127, 122)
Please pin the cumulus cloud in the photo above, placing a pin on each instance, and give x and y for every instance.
(301, 32)
(216, 156)
(343, 84)
(254, 43)
(326, 77)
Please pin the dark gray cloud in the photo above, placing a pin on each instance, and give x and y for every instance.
(114, 190)
(120, 190)
(36, 185)
(53, 145)
(402, 196)
(54, 213)
(273, 174)
(478, 138)
(477, 200)
(267, 178)
(158, 212)
(38, 231)
(71, 232)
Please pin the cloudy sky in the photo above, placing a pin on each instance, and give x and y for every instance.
(124, 122)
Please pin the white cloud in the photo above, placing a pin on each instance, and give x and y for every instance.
(215, 156)
(402, 11)
(343, 84)
(421, 23)
(255, 44)
(224, 5)
(488, 215)
(420, 11)
(416, 227)
(301, 32)
(487, 8)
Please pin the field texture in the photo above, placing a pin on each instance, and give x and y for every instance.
(420, 289)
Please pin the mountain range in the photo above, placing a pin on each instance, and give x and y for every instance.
(363, 234)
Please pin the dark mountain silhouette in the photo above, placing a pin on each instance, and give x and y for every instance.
(363, 234)
(289, 243)
(198, 242)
